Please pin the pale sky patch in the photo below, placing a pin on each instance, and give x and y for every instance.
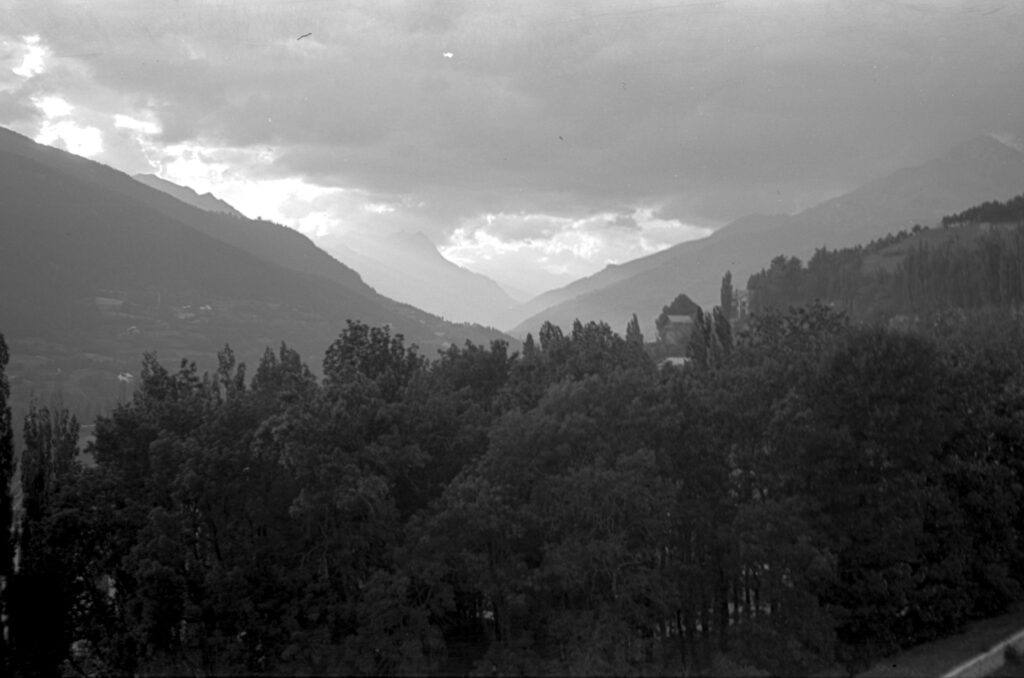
(207, 168)
(559, 247)
(189, 164)
(144, 127)
(34, 60)
(53, 106)
(67, 134)
(317, 224)
(519, 265)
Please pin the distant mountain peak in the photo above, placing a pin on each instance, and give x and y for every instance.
(982, 148)
(418, 240)
(407, 266)
(979, 169)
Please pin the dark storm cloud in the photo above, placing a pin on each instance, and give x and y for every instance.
(702, 110)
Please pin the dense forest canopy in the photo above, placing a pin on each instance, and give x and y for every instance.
(991, 212)
(805, 494)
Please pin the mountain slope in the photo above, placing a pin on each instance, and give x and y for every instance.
(978, 170)
(614, 273)
(206, 201)
(408, 267)
(95, 269)
(264, 239)
(971, 263)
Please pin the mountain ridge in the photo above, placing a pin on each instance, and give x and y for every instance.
(106, 268)
(409, 267)
(263, 239)
(978, 169)
(204, 201)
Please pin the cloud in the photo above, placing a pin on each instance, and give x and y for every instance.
(53, 106)
(33, 56)
(515, 248)
(58, 130)
(561, 121)
(66, 134)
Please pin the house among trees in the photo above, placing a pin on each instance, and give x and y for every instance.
(676, 329)
(675, 324)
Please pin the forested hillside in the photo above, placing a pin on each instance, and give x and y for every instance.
(992, 212)
(808, 495)
(970, 173)
(96, 268)
(976, 260)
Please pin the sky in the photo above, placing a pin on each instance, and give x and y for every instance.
(535, 141)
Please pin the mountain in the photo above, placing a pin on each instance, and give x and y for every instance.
(971, 263)
(408, 267)
(97, 268)
(614, 273)
(206, 201)
(978, 170)
(263, 239)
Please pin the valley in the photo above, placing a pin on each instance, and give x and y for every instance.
(615, 338)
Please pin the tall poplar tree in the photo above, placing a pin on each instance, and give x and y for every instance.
(726, 294)
(633, 334)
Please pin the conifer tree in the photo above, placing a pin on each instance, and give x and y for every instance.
(697, 348)
(529, 348)
(722, 331)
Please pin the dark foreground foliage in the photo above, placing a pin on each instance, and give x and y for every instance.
(802, 495)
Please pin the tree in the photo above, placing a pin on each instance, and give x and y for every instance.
(633, 334)
(6, 504)
(375, 355)
(721, 329)
(46, 583)
(559, 527)
(872, 447)
(529, 347)
(700, 348)
(446, 414)
(283, 377)
(726, 296)
(551, 337)
(811, 491)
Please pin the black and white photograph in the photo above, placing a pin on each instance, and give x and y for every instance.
(512, 338)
